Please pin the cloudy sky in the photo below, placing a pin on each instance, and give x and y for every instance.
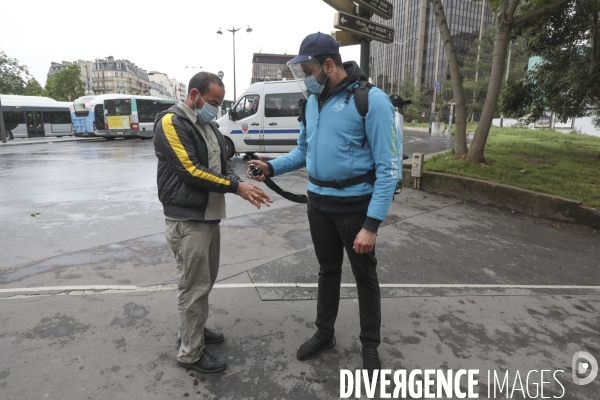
(161, 36)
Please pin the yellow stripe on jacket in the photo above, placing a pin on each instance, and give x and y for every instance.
(182, 155)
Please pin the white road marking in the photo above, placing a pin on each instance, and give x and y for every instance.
(91, 289)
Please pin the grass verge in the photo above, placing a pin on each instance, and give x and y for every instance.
(566, 165)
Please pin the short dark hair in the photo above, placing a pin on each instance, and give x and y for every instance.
(336, 58)
(202, 81)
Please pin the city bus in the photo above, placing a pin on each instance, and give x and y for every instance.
(131, 116)
(35, 117)
(87, 114)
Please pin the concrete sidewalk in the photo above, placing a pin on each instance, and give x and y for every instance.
(463, 286)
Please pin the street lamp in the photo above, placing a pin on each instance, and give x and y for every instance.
(394, 58)
(234, 31)
(193, 67)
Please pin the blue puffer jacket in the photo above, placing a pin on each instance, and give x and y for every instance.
(330, 145)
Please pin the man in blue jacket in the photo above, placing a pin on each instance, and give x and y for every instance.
(353, 166)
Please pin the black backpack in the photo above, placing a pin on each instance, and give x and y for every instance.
(361, 100)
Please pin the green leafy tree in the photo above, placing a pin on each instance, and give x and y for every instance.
(567, 81)
(409, 91)
(11, 75)
(65, 85)
(477, 68)
(33, 88)
(510, 14)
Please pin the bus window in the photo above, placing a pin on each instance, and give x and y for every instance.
(57, 117)
(81, 109)
(145, 110)
(118, 107)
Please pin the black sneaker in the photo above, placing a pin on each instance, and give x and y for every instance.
(370, 360)
(312, 347)
(210, 337)
(207, 364)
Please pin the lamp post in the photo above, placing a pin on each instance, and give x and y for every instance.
(234, 31)
(193, 67)
(394, 58)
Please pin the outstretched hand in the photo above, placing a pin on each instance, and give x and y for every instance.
(253, 194)
(259, 165)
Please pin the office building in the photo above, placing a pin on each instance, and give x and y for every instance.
(418, 52)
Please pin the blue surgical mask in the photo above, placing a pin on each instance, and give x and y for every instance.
(207, 113)
(313, 86)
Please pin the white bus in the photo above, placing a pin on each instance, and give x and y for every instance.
(87, 114)
(35, 117)
(131, 116)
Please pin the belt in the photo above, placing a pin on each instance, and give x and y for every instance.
(368, 177)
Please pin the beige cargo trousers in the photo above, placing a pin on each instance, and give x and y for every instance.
(196, 246)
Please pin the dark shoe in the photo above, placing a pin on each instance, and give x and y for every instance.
(370, 360)
(211, 336)
(207, 364)
(313, 347)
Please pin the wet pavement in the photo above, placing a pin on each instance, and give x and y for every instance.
(463, 286)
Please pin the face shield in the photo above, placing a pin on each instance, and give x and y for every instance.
(305, 74)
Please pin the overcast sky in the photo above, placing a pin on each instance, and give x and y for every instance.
(161, 36)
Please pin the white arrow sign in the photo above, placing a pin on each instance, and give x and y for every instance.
(343, 20)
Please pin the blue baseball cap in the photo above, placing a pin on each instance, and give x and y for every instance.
(315, 44)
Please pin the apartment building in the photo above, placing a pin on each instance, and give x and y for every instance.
(120, 77)
(84, 66)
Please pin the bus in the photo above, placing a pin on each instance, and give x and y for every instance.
(87, 114)
(35, 117)
(131, 116)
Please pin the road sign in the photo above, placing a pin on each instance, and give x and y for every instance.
(363, 27)
(220, 74)
(383, 8)
(437, 85)
(342, 5)
(346, 38)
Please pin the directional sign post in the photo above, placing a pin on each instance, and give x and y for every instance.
(346, 38)
(363, 27)
(382, 8)
(342, 5)
(357, 28)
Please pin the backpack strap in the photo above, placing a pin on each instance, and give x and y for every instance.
(361, 100)
(302, 110)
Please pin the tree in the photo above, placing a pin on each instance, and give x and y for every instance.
(11, 75)
(409, 91)
(33, 88)
(65, 85)
(566, 36)
(477, 67)
(507, 19)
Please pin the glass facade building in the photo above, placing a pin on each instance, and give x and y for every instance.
(418, 52)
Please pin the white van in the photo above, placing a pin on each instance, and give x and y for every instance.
(264, 119)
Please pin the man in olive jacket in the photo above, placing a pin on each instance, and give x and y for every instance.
(193, 177)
